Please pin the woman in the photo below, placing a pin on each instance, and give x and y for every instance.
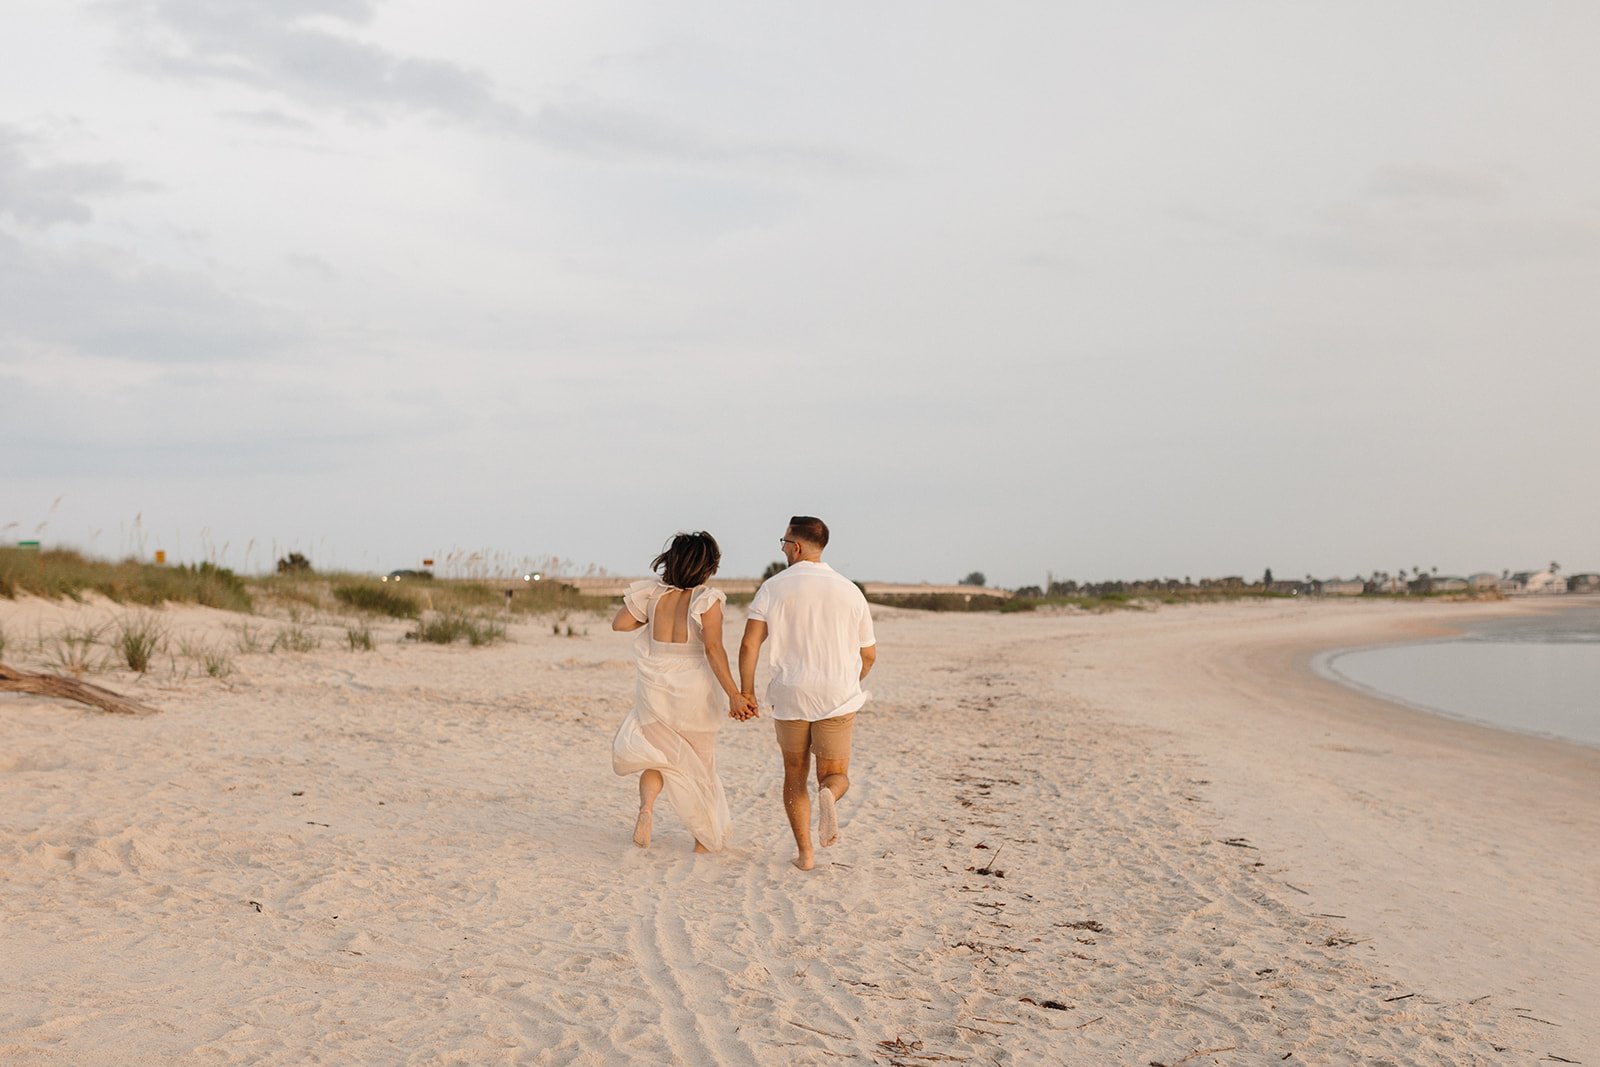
(667, 738)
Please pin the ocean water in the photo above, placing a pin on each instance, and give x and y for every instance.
(1535, 674)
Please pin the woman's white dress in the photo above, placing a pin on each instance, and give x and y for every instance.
(677, 709)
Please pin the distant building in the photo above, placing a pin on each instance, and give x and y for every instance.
(1543, 582)
(1339, 587)
(1584, 583)
(1387, 585)
(1483, 580)
(1514, 583)
(1448, 583)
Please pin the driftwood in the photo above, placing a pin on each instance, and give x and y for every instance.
(54, 685)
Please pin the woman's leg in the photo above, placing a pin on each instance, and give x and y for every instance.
(704, 747)
(650, 783)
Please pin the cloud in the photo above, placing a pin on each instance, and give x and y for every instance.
(596, 129)
(1441, 218)
(268, 119)
(288, 50)
(1423, 183)
(54, 193)
(275, 48)
(109, 305)
(311, 263)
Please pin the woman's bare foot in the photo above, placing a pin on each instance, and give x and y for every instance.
(805, 861)
(827, 818)
(699, 848)
(641, 829)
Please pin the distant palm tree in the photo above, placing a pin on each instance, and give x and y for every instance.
(1555, 568)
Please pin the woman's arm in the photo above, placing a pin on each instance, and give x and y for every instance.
(717, 656)
(625, 621)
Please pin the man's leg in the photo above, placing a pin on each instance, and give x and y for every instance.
(833, 780)
(831, 739)
(796, 794)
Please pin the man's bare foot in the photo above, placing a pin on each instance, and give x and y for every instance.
(805, 861)
(641, 830)
(699, 848)
(827, 817)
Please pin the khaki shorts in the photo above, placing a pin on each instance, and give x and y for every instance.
(826, 738)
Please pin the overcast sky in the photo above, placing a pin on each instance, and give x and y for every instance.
(1107, 290)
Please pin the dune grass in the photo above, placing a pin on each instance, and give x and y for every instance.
(448, 627)
(294, 637)
(139, 636)
(64, 573)
(378, 599)
(74, 650)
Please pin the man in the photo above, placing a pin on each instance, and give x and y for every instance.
(822, 650)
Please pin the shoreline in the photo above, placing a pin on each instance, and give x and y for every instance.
(1322, 663)
(1449, 841)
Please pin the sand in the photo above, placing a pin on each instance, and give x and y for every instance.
(420, 855)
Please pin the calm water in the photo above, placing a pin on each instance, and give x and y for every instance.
(1537, 675)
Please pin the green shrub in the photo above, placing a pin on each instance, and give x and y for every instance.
(377, 600)
(360, 637)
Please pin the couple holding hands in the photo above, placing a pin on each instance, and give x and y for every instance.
(821, 647)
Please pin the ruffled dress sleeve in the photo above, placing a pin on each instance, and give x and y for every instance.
(704, 598)
(640, 596)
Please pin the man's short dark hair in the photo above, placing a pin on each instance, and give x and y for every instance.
(689, 560)
(810, 529)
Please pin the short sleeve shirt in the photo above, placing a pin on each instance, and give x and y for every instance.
(817, 624)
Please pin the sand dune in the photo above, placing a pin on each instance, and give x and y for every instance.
(420, 855)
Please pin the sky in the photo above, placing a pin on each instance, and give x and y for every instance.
(1090, 290)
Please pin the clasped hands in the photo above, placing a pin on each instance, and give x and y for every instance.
(743, 706)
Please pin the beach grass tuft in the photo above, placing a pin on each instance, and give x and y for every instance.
(248, 640)
(74, 649)
(447, 627)
(139, 636)
(216, 662)
(294, 637)
(360, 637)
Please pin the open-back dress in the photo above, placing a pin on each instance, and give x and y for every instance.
(677, 709)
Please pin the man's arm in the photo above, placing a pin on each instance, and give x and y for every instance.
(869, 656)
(755, 635)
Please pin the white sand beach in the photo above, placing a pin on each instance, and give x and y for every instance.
(1197, 851)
